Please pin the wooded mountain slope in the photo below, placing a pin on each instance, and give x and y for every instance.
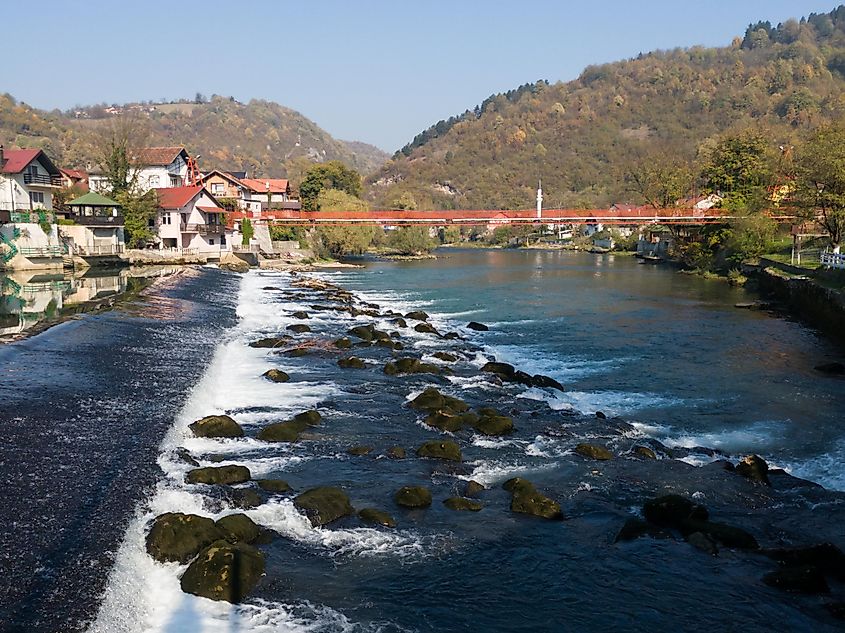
(261, 137)
(582, 136)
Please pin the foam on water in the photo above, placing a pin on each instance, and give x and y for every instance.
(613, 403)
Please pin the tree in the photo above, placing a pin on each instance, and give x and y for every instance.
(405, 202)
(411, 240)
(118, 138)
(247, 232)
(660, 178)
(820, 188)
(337, 239)
(330, 175)
(740, 168)
(139, 212)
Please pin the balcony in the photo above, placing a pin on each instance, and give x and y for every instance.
(97, 220)
(36, 216)
(98, 251)
(42, 180)
(203, 229)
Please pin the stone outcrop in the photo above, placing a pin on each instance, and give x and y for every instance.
(525, 499)
(216, 426)
(324, 505)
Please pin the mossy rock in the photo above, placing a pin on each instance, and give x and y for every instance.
(360, 451)
(176, 537)
(396, 452)
(526, 499)
(280, 432)
(425, 328)
(417, 315)
(451, 336)
(432, 400)
(216, 426)
(755, 468)
(505, 371)
(343, 343)
(635, 527)
(462, 504)
(413, 497)
(240, 528)
(297, 352)
(445, 420)
(245, 498)
(377, 517)
(440, 450)
(591, 451)
(273, 485)
(301, 314)
(644, 452)
(352, 362)
(185, 455)
(673, 511)
(727, 535)
(276, 375)
(224, 571)
(324, 505)
(478, 327)
(311, 417)
(400, 322)
(546, 382)
(494, 425)
(445, 357)
(473, 488)
(363, 332)
(226, 475)
(270, 342)
(395, 345)
(298, 328)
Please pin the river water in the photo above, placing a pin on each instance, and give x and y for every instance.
(96, 409)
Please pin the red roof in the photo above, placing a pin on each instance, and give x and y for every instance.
(260, 185)
(18, 159)
(77, 174)
(211, 209)
(176, 197)
(157, 155)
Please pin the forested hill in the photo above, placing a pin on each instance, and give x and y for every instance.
(261, 137)
(583, 136)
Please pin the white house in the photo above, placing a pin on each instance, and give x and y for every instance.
(259, 194)
(189, 217)
(96, 226)
(156, 167)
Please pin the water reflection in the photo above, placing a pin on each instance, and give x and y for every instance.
(30, 298)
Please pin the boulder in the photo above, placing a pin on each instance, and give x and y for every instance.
(727, 535)
(185, 455)
(376, 517)
(525, 499)
(462, 504)
(806, 579)
(446, 357)
(545, 382)
(276, 375)
(351, 362)
(440, 450)
(644, 452)
(673, 511)
(426, 328)
(755, 468)
(297, 352)
(301, 314)
(273, 485)
(226, 475)
(635, 527)
(413, 497)
(324, 505)
(400, 322)
(224, 571)
(446, 420)
(601, 415)
(826, 556)
(417, 315)
(473, 488)
(280, 432)
(343, 343)
(311, 417)
(273, 341)
(363, 332)
(591, 451)
(234, 265)
(240, 528)
(359, 451)
(494, 425)
(833, 369)
(410, 366)
(505, 371)
(702, 541)
(478, 327)
(176, 537)
(396, 452)
(298, 328)
(450, 336)
(432, 400)
(216, 426)
(390, 344)
(244, 498)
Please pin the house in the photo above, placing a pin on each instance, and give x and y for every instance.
(94, 226)
(74, 178)
(223, 184)
(189, 217)
(263, 194)
(700, 203)
(28, 236)
(155, 167)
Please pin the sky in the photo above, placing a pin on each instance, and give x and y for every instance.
(378, 71)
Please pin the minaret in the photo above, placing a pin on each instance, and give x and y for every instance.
(539, 199)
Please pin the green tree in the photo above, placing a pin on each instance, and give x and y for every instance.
(411, 240)
(820, 187)
(139, 212)
(660, 178)
(247, 232)
(405, 202)
(338, 240)
(740, 167)
(330, 175)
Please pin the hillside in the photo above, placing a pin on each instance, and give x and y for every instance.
(261, 137)
(582, 136)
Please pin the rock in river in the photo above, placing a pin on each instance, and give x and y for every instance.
(351, 362)
(227, 475)
(494, 425)
(216, 426)
(276, 375)
(755, 468)
(239, 528)
(224, 571)
(176, 537)
(527, 500)
(461, 504)
(417, 315)
(376, 517)
(299, 328)
(324, 505)
(591, 451)
(440, 450)
(273, 485)
(478, 327)
(413, 497)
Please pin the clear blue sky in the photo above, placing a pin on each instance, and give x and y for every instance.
(378, 71)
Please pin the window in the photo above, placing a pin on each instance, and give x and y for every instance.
(153, 180)
(218, 188)
(211, 241)
(175, 181)
(165, 218)
(37, 197)
(222, 240)
(33, 169)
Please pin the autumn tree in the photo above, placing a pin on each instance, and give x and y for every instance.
(740, 168)
(117, 140)
(330, 175)
(660, 178)
(820, 187)
(338, 240)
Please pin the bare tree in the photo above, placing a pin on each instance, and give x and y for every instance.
(119, 138)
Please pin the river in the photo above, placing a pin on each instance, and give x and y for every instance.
(96, 408)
